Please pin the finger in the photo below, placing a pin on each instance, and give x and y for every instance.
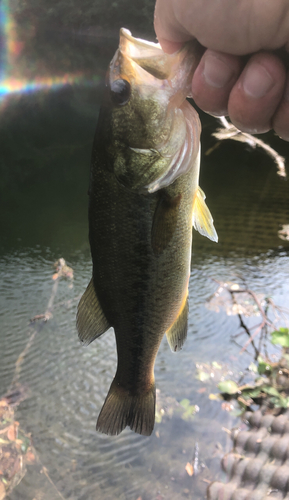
(168, 29)
(281, 117)
(169, 47)
(237, 28)
(213, 81)
(257, 94)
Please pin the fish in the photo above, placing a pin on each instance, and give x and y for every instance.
(144, 199)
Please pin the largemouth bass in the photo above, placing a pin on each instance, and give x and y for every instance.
(144, 200)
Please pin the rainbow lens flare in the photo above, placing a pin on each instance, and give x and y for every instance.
(10, 49)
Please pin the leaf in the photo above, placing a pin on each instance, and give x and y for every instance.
(216, 365)
(253, 368)
(158, 417)
(189, 413)
(280, 337)
(228, 387)
(30, 457)
(203, 376)
(2, 441)
(190, 410)
(185, 403)
(271, 391)
(276, 402)
(237, 412)
(255, 393)
(189, 469)
(263, 366)
(2, 491)
(11, 434)
(214, 397)
(280, 402)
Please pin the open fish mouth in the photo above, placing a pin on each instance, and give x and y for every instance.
(135, 54)
(147, 55)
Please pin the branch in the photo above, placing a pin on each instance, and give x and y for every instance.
(229, 131)
(62, 271)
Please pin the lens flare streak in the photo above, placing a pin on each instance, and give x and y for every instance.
(10, 48)
(15, 86)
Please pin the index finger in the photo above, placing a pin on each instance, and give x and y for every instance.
(170, 32)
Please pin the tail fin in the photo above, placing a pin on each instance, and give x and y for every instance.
(121, 409)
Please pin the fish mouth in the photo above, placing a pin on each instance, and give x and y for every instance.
(148, 55)
(142, 61)
(145, 64)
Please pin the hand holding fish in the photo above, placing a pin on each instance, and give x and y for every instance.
(252, 90)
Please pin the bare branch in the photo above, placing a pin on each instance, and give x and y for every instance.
(229, 131)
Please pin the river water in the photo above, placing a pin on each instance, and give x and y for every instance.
(46, 141)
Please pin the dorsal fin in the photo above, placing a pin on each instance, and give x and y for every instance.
(91, 321)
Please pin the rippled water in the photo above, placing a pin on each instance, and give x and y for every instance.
(43, 217)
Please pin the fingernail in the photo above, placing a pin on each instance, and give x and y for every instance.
(257, 81)
(216, 72)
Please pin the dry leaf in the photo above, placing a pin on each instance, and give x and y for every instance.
(55, 276)
(227, 406)
(12, 433)
(190, 469)
(30, 457)
(2, 491)
(214, 397)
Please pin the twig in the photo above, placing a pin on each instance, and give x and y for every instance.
(34, 330)
(45, 472)
(252, 337)
(242, 324)
(262, 327)
(229, 131)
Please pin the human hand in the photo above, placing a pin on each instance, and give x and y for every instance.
(253, 91)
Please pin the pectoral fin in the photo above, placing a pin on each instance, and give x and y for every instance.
(202, 218)
(164, 223)
(177, 334)
(91, 321)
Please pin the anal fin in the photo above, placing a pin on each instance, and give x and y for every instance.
(202, 218)
(177, 333)
(90, 321)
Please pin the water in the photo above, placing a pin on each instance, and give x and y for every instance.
(45, 166)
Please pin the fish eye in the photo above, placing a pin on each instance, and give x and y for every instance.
(120, 92)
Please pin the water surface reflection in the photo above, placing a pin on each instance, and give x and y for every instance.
(43, 217)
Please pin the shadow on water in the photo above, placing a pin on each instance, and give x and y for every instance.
(45, 143)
